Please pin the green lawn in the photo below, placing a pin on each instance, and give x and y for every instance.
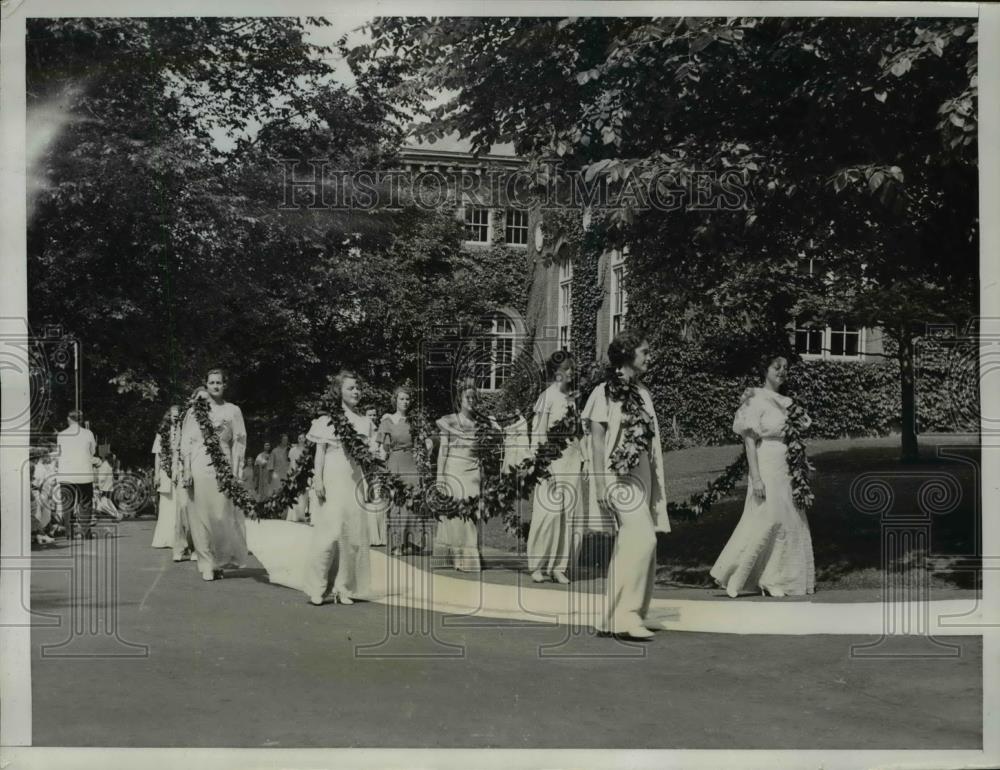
(847, 542)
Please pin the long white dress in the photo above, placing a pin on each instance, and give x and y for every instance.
(639, 502)
(558, 500)
(218, 528)
(166, 517)
(340, 521)
(771, 547)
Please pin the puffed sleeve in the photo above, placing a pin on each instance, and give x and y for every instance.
(596, 409)
(190, 433)
(746, 423)
(321, 431)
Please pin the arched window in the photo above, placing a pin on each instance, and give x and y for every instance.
(497, 348)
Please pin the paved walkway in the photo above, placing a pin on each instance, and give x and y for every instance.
(167, 660)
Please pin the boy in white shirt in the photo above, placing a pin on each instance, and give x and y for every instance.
(77, 446)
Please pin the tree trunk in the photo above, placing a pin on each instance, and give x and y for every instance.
(907, 382)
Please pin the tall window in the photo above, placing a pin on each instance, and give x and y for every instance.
(477, 224)
(495, 362)
(565, 321)
(619, 299)
(516, 227)
(840, 341)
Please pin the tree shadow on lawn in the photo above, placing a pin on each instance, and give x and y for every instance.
(846, 542)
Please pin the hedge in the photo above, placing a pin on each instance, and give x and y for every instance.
(695, 404)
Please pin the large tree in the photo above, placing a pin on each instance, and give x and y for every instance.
(166, 251)
(854, 140)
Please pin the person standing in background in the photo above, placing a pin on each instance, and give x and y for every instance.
(77, 446)
(263, 472)
(279, 463)
(298, 511)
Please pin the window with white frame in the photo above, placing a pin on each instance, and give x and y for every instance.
(516, 227)
(838, 341)
(477, 224)
(565, 320)
(619, 299)
(497, 347)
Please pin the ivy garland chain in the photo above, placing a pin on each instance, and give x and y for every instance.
(169, 428)
(799, 467)
(292, 486)
(637, 424)
(699, 503)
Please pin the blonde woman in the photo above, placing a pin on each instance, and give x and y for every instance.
(340, 520)
(459, 475)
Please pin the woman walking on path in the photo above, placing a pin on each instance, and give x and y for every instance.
(771, 547)
(395, 436)
(218, 529)
(340, 521)
(558, 498)
(629, 480)
(458, 473)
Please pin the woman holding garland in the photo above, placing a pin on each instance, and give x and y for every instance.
(558, 498)
(166, 461)
(629, 480)
(771, 547)
(340, 520)
(395, 436)
(458, 473)
(218, 529)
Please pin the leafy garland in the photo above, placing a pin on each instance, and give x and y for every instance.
(637, 424)
(169, 427)
(799, 467)
(699, 503)
(292, 486)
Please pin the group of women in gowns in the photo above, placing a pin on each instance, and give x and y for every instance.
(330, 559)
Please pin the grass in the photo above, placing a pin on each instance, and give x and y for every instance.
(848, 543)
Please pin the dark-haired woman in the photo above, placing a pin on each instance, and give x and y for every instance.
(771, 547)
(558, 498)
(340, 521)
(218, 529)
(636, 496)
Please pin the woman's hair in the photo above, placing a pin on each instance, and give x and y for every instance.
(462, 387)
(196, 391)
(765, 361)
(337, 388)
(621, 351)
(556, 361)
(217, 371)
(400, 389)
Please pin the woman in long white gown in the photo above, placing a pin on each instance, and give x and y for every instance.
(771, 547)
(637, 500)
(165, 533)
(298, 511)
(218, 528)
(558, 498)
(340, 520)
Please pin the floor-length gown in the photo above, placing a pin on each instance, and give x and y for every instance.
(340, 521)
(557, 499)
(218, 528)
(457, 539)
(166, 516)
(394, 434)
(771, 547)
(639, 503)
